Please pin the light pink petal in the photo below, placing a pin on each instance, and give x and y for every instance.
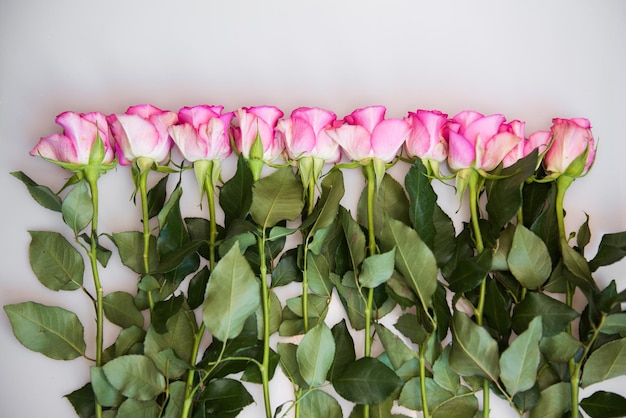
(461, 152)
(388, 137)
(354, 140)
(326, 148)
(199, 115)
(466, 118)
(80, 131)
(539, 139)
(58, 148)
(318, 118)
(418, 141)
(186, 138)
(485, 127)
(143, 110)
(298, 135)
(269, 114)
(215, 135)
(367, 117)
(135, 137)
(497, 148)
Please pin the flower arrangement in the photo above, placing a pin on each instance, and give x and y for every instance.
(488, 309)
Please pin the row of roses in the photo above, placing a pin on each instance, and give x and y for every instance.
(467, 140)
(475, 147)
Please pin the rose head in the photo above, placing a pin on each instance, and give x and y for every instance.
(202, 133)
(366, 134)
(426, 138)
(571, 138)
(478, 142)
(304, 134)
(257, 121)
(537, 140)
(142, 132)
(75, 145)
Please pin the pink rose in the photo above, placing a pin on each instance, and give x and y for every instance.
(142, 132)
(304, 134)
(476, 141)
(261, 121)
(539, 140)
(426, 138)
(79, 134)
(366, 134)
(571, 137)
(202, 133)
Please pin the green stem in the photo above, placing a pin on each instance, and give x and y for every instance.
(422, 363)
(562, 184)
(305, 282)
(266, 327)
(189, 391)
(474, 183)
(92, 177)
(143, 191)
(371, 195)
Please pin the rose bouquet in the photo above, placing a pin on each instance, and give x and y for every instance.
(487, 308)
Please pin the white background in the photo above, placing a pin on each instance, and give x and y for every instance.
(530, 60)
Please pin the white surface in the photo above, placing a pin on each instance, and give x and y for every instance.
(530, 60)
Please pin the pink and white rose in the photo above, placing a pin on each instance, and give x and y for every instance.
(571, 138)
(142, 132)
(304, 134)
(75, 144)
(261, 121)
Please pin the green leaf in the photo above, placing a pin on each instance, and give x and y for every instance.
(132, 408)
(443, 375)
(130, 341)
(470, 272)
(474, 352)
(606, 362)
(408, 324)
(77, 207)
(555, 315)
(225, 395)
(410, 396)
(317, 403)
(42, 194)
(354, 237)
(366, 381)
(519, 362)
(529, 259)
(423, 200)
(395, 348)
(289, 363)
(462, 405)
(236, 194)
(135, 376)
(604, 405)
(614, 324)
(163, 310)
(577, 265)
(315, 354)
(344, 350)
(156, 197)
(286, 270)
(560, 347)
(318, 273)
(379, 410)
(197, 288)
(390, 200)
(119, 308)
(130, 247)
(553, 401)
(176, 401)
(102, 254)
(276, 197)
(232, 295)
(50, 330)
(327, 206)
(105, 393)
(612, 248)
(83, 401)
(171, 351)
(505, 194)
(377, 269)
(414, 260)
(276, 314)
(55, 262)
